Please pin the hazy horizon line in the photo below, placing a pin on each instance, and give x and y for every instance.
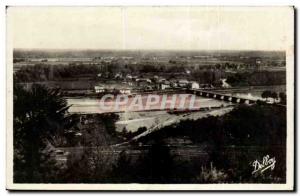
(183, 50)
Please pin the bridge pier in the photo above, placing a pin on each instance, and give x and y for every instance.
(251, 101)
(226, 98)
(234, 100)
(218, 96)
(243, 100)
(211, 95)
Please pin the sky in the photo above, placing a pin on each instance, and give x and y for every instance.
(162, 28)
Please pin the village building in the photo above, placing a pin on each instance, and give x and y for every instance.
(173, 83)
(129, 77)
(99, 89)
(155, 78)
(161, 80)
(143, 81)
(194, 85)
(125, 91)
(134, 78)
(149, 87)
(164, 85)
(224, 83)
(206, 86)
(118, 76)
(183, 83)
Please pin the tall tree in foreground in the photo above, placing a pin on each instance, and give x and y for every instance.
(156, 165)
(39, 114)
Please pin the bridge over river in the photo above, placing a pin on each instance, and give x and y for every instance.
(222, 97)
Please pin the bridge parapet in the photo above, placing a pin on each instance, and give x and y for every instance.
(242, 100)
(223, 97)
(227, 98)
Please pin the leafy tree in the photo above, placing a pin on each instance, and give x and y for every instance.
(39, 115)
(274, 95)
(266, 94)
(269, 94)
(261, 128)
(156, 165)
(120, 170)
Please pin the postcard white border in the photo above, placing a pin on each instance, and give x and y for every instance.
(289, 185)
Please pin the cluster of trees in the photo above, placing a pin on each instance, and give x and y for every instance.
(41, 122)
(41, 72)
(257, 78)
(94, 166)
(234, 66)
(207, 76)
(237, 138)
(156, 164)
(17, 60)
(269, 94)
(39, 116)
(274, 95)
(45, 72)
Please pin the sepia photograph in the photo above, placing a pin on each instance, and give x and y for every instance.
(150, 98)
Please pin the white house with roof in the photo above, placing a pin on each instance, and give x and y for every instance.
(183, 83)
(194, 85)
(165, 85)
(125, 91)
(129, 77)
(99, 89)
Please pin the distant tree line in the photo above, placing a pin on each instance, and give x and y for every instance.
(202, 74)
(42, 72)
(257, 78)
(274, 95)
